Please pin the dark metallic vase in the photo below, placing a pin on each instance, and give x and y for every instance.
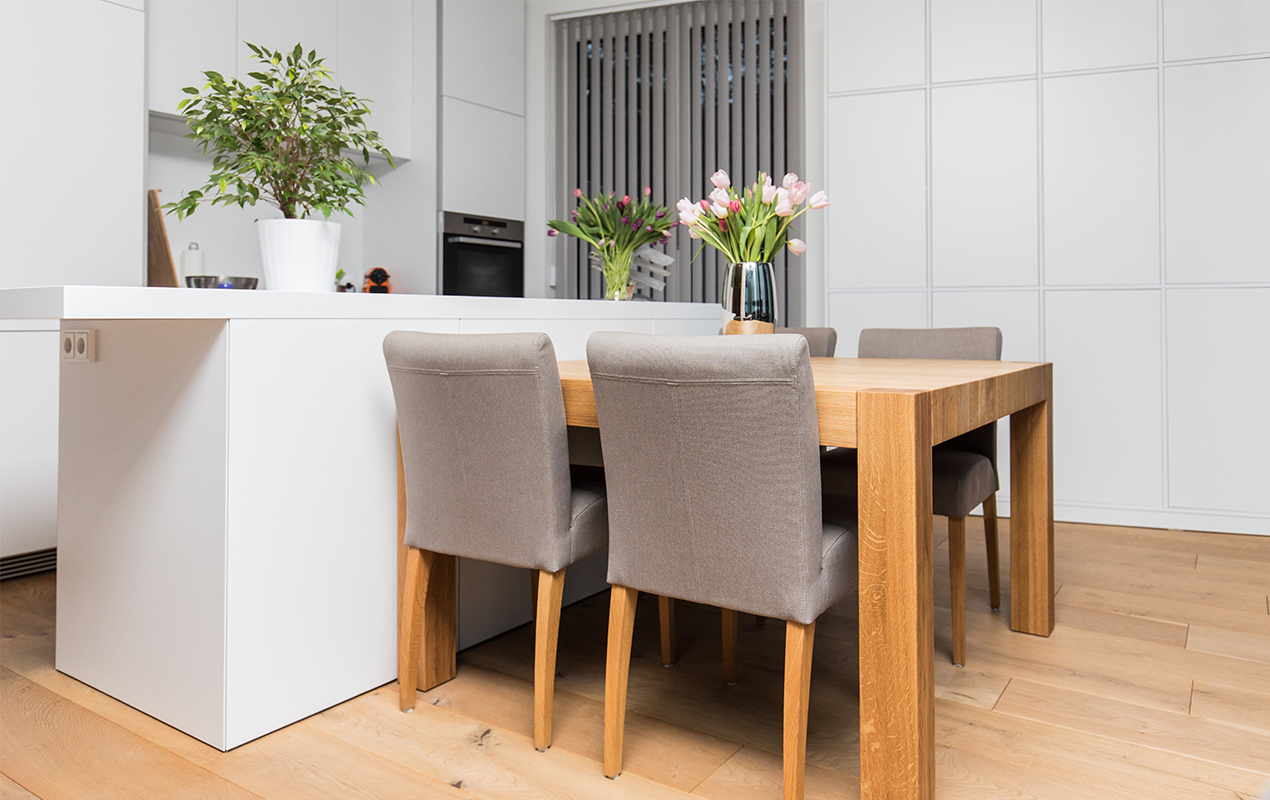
(749, 294)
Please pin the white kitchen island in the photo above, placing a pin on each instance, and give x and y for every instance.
(227, 492)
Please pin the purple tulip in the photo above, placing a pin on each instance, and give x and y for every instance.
(552, 232)
(660, 214)
(649, 229)
(723, 225)
(625, 220)
(639, 221)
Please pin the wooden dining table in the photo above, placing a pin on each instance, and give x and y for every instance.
(892, 411)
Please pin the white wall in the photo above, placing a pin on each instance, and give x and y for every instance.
(1092, 177)
(72, 143)
(384, 50)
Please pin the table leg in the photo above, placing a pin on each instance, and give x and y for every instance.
(897, 639)
(1032, 519)
(437, 648)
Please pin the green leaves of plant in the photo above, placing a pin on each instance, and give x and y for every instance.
(282, 139)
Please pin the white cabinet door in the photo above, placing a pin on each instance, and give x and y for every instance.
(280, 24)
(483, 162)
(375, 63)
(186, 38)
(483, 53)
(28, 437)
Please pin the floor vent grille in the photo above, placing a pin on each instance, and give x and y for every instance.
(28, 563)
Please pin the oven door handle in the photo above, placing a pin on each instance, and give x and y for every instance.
(491, 242)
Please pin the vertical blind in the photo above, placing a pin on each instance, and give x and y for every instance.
(662, 97)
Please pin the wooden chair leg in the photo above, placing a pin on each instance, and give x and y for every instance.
(957, 579)
(616, 671)
(990, 538)
(799, 639)
(729, 645)
(410, 624)
(666, 614)
(546, 634)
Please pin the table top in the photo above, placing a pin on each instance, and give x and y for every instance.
(964, 394)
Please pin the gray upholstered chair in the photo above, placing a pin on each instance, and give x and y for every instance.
(710, 445)
(487, 474)
(964, 469)
(821, 341)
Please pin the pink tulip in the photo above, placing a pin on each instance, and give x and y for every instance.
(790, 180)
(723, 225)
(721, 180)
(735, 206)
(626, 199)
(784, 205)
(799, 193)
(692, 233)
(819, 200)
(719, 211)
(648, 191)
(684, 204)
(577, 192)
(797, 246)
(705, 205)
(720, 196)
(769, 193)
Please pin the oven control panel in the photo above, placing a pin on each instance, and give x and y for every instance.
(483, 227)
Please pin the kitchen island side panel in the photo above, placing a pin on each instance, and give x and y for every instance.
(312, 559)
(141, 519)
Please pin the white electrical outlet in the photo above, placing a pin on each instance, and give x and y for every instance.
(79, 345)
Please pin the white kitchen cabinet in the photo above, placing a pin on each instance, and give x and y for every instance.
(482, 161)
(185, 39)
(376, 63)
(281, 24)
(483, 53)
(28, 435)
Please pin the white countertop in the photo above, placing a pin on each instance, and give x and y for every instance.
(129, 302)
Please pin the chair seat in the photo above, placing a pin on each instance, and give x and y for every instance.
(960, 480)
(588, 512)
(841, 549)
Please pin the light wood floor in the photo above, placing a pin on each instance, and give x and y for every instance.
(1155, 684)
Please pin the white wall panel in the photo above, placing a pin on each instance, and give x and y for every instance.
(375, 61)
(1102, 179)
(186, 38)
(281, 24)
(1217, 171)
(1219, 378)
(984, 178)
(1017, 314)
(483, 160)
(1211, 28)
(852, 312)
(876, 156)
(1090, 34)
(982, 39)
(1108, 408)
(483, 53)
(875, 44)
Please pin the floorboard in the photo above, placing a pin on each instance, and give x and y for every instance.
(1155, 683)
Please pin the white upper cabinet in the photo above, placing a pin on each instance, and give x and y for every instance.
(1214, 28)
(375, 62)
(281, 24)
(971, 39)
(483, 53)
(367, 45)
(187, 38)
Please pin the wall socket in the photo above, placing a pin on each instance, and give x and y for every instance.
(79, 345)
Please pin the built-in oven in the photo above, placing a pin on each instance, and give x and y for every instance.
(482, 256)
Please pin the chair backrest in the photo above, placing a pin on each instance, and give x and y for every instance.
(821, 341)
(712, 464)
(481, 419)
(970, 344)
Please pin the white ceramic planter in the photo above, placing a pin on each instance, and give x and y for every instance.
(300, 255)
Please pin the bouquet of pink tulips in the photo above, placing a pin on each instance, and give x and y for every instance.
(753, 225)
(616, 227)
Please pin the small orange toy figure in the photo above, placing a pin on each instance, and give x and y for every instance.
(377, 282)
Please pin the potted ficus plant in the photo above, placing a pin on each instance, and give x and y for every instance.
(284, 140)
